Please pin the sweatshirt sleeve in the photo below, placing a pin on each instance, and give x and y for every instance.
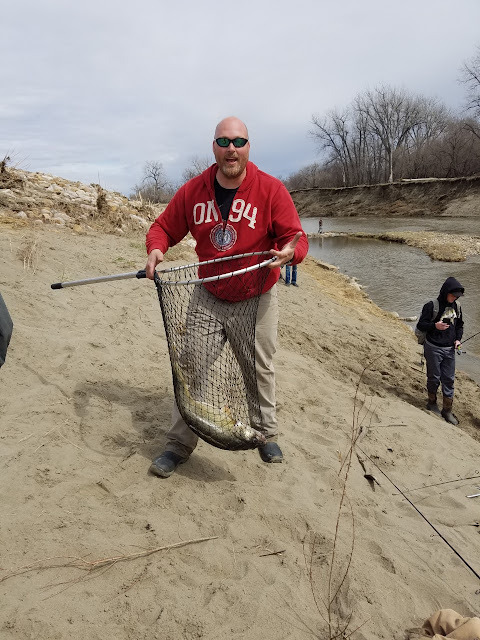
(426, 323)
(286, 223)
(459, 326)
(170, 227)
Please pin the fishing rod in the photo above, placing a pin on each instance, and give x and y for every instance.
(459, 351)
(475, 334)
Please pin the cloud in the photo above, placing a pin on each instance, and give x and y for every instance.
(101, 87)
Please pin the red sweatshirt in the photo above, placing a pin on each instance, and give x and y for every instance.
(262, 217)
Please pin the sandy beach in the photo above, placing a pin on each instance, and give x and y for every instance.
(90, 540)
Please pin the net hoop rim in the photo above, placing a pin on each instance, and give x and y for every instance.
(222, 276)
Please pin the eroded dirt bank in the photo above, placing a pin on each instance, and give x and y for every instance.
(428, 197)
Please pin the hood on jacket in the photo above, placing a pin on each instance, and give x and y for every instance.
(450, 284)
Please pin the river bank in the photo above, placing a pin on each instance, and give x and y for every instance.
(446, 197)
(85, 404)
(439, 246)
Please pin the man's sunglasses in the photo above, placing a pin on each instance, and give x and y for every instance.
(237, 142)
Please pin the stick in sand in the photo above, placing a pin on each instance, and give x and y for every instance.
(92, 565)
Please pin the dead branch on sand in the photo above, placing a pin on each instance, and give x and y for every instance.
(92, 567)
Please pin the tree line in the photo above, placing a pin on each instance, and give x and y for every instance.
(385, 134)
(389, 134)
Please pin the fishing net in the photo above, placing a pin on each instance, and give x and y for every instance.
(209, 311)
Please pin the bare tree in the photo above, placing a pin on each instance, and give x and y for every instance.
(197, 166)
(154, 174)
(349, 142)
(470, 76)
(310, 177)
(155, 185)
(458, 151)
(382, 132)
(332, 135)
(412, 158)
(391, 114)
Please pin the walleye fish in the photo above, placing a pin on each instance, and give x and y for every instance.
(217, 426)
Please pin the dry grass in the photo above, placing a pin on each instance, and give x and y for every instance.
(106, 217)
(30, 253)
(16, 223)
(150, 210)
(4, 163)
(109, 216)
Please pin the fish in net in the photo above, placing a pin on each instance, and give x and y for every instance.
(209, 311)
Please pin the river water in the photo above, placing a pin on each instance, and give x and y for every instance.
(401, 278)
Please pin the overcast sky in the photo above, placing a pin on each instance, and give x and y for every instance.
(92, 90)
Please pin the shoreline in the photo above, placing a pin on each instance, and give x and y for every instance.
(445, 247)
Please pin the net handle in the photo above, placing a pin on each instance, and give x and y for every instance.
(224, 259)
(141, 274)
(222, 276)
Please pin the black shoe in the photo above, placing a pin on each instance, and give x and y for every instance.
(270, 452)
(294, 284)
(287, 284)
(166, 464)
(449, 416)
(433, 407)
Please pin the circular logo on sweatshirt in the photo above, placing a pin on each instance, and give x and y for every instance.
(223, 238)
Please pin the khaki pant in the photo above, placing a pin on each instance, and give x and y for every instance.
(182, 440)
(447, 623)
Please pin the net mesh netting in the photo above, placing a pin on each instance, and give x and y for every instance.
(210, 329)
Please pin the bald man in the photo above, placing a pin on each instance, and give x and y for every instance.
(232, 208)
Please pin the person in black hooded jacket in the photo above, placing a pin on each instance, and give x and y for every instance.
(443, 336)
